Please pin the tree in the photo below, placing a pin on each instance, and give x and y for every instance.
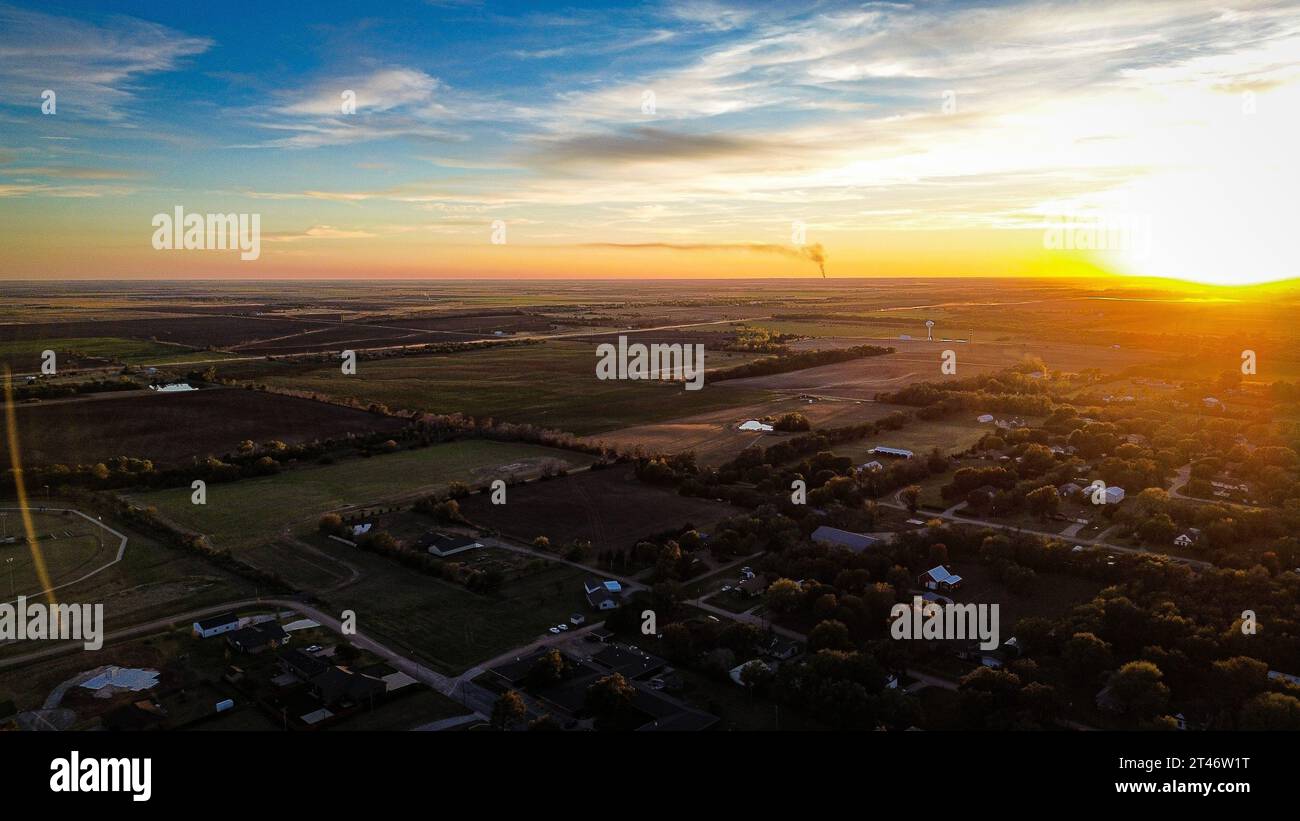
(544, 723)
(1085, 656)
(830, 634)
(549, 669)
(784, 596)
(609, 697)
(508, 709)
(331, 524)
(1044, 501)
(1271, 711)
(911, 496)
(1138, 690)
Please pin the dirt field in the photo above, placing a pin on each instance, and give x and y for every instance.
(172, 428)
(919, 361)
(714, 436)
(608, 507)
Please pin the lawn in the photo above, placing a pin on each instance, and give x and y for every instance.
(69, 545)
(244, 514)
(551, 385)
(445, 626)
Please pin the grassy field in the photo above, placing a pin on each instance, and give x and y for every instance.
(449, 628)
(920, 437)
(69, 545)
(552, 385)
(245, 514)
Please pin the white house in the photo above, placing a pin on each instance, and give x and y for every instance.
(755, 425)
(216, 625)
(899, 452)
(603, 595)
(984, 418)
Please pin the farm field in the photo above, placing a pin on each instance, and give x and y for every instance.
(919, 436)
(172, 428)
(919, 361)
(24, 356)
(245, 514)
(714, 436)
(609, 507)
(551, 385)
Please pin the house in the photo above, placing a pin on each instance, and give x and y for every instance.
(301, 664)
(856, 542)
(606, 595)
(755, 425)
(781, 649)
(258, 637)
(984, 418)
(736, 672)
(1188, 538)
(1114, 495)
(339, 687)
(1068, 489)
(899, 452)
(361, 529)
(871, 466)
(938, 578)
(441, 544)
(216, 625)
(1212, 403)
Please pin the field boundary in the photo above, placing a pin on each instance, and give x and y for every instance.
(121, 547)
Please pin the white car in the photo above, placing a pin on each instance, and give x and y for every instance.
(555, 630)
(562, 627)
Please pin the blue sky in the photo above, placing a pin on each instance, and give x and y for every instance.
(869, 123)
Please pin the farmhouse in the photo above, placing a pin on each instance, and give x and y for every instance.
(441, 544)
(605, 595)
(899, 452)
(207, 628)
(938, 578)
(856, 542)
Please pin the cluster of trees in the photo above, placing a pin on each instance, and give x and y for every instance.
(382, 543)
(44, 389)
(759, 340)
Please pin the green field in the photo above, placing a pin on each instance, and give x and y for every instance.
(245, 514)
(69, 545)
(26, 354)
(552, 385)
(449, 628)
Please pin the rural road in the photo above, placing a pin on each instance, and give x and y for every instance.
(1096, 542)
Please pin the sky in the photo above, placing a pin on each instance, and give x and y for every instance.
(686, 138)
